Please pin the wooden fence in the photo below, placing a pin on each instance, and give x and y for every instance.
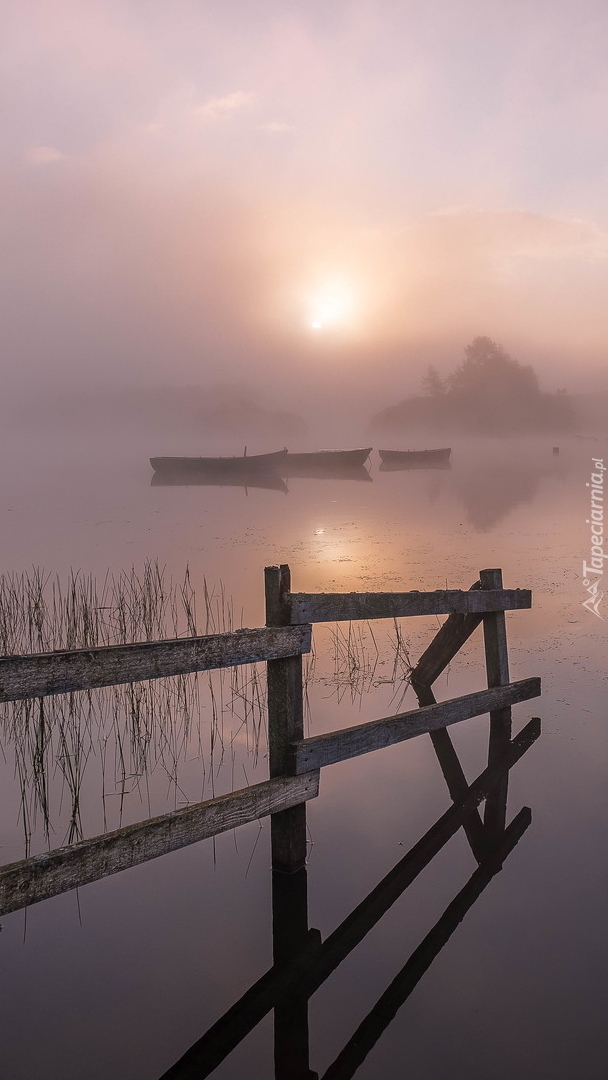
(301, 960)
(294, 761)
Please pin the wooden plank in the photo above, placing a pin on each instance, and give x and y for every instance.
(42, 876)
(350, 1059)
(495, 633)
(497, 668)
(443, 648)
(83, 669)
(285, 726)
(454, 777)
(320, 750)
(277, 586)
(285, 692)
(313, 964)
(337, 607)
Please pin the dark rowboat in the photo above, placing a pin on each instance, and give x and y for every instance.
(327, 459)
(416, 459)
(229, 466)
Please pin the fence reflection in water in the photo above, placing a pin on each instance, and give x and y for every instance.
(302, 961)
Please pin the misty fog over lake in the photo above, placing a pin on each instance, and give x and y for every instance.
(289, 845)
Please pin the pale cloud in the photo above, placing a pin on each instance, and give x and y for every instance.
(44, 155)
(518, 231)
(275, 127)
(220, 108)
(183, 111)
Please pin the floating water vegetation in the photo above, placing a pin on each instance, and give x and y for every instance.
(91, 761)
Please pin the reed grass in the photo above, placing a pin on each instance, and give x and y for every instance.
(121, 736)
(40, 612)
(137, 744)
(402, 664)
(355, 659)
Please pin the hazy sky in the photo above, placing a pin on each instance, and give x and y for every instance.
(187, 187)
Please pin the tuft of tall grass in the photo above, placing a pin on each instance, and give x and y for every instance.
(355, 658)
(123, 737)
(39, 612)
(127, 746)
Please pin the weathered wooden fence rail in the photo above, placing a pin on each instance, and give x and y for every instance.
(294, 762)
(340, 607)
(327, 749)
(42, 876)
(65, 671)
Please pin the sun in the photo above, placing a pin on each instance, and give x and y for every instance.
(331, 305)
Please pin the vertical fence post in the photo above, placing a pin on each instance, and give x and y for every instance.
(285, 725)
(497, 668)
(288, 839)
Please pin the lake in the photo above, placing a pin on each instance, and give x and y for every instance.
(122, 977)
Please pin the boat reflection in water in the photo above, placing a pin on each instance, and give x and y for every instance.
(409, 466)
(271, 481)
(201, 478)
(322, 471)
(302, 961)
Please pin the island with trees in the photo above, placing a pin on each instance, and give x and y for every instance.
(489, 392)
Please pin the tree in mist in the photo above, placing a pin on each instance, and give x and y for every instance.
(488, 372)
(489, 391)
(490, 387)
(432, 383)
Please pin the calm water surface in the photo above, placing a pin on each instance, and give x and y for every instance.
(119, 980)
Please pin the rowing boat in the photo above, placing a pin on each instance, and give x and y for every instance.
(244, 465)
(327, 459)
(416, 458)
